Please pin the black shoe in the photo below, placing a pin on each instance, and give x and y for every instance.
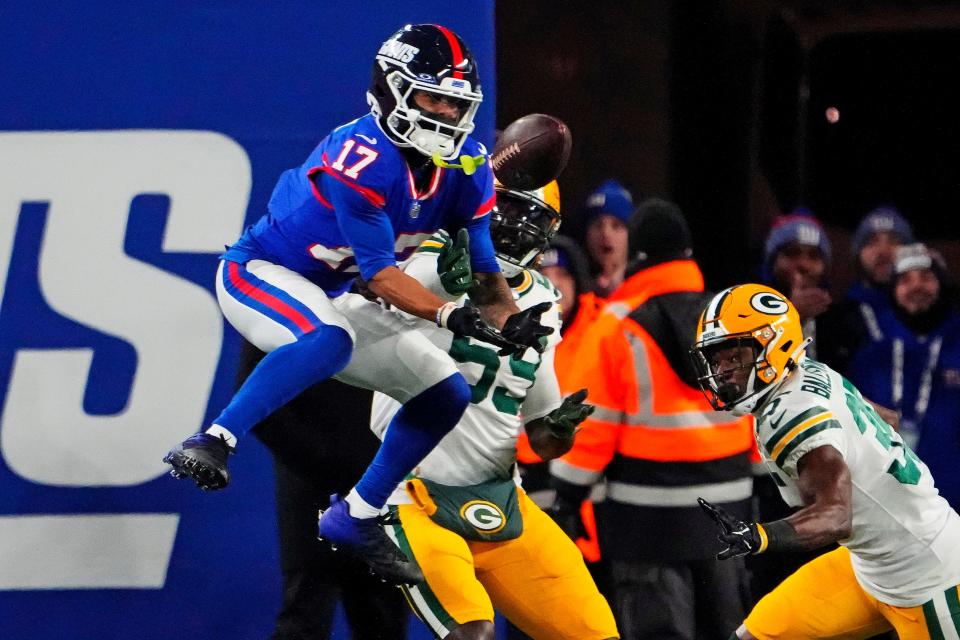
(366, 539)
(202, 457)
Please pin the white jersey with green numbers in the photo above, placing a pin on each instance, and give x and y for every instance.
(905, 541)
(505, 392)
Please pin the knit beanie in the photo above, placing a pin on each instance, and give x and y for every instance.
(918, 256)
(800, 226)
(659, 232)
(879, 220)
(609, 198)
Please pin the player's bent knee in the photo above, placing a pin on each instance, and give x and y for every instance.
(332, 345)
(451, 396)
(476, 630)
(458, 390)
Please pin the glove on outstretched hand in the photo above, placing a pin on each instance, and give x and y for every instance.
(453, 264)
(741, 538)
(524, 328)
(564, 420)
(466, 321)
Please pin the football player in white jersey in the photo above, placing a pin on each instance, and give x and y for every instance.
(856, 483)
(481, 542)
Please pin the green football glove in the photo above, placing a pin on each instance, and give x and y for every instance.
(564, 420)
(453, 264)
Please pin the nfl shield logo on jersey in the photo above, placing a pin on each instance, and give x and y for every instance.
(415, 209)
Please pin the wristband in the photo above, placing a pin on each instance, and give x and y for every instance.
(764, 540)
(443, 312)
(780, 536)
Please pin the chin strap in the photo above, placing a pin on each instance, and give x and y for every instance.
(469, 164)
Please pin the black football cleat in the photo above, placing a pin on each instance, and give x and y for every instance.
(366, 539)
(202, 457)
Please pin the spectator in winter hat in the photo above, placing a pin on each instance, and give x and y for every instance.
(796, 258)
(874, 248)
(852, 320)
(607, 213)
(658, 233)
(910, 362)
(919, 279)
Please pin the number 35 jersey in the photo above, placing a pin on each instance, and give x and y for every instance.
(505, 393)
(905, 540)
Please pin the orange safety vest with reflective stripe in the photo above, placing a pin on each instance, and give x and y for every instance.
(588, 310)
(654, 437)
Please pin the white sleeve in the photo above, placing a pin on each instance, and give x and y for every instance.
(823, 433)
(422, 265)
(544, 396)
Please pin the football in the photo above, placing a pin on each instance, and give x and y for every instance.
(531, 152)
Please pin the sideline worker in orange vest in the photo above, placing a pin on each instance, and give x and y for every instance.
(659, 445)
(565, 266)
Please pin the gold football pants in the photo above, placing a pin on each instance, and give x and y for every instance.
(824, 600)
(538, 581)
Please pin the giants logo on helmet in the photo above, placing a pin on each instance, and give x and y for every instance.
(399, 51)
(484, 516)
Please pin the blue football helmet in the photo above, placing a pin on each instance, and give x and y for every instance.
(431, 59)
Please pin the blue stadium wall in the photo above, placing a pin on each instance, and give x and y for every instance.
(136, 139)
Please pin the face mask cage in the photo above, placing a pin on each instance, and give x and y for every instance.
(521, 227)
(427, 132)
(719, 386)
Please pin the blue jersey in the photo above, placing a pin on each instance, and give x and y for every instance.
(353, 207)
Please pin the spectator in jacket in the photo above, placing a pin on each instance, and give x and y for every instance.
(912, 364)
(607, 213)
(851, 321)
(796, 261)
(659, 444)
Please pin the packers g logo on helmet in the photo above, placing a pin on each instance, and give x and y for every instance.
(754, 316)
(766, 302)
(484, 516)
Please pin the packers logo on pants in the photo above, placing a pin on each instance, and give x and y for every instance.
(483, 516)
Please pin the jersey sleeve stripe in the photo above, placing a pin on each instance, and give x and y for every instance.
(783, 430)
(372, 196)
(774, 451)
(526, 286)
(791, 446)
(430, 246)
(313, 187)
(486, 207)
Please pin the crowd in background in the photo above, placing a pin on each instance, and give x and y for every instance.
(895, 334)
(631, 296)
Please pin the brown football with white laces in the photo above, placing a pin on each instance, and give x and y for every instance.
(531, 152)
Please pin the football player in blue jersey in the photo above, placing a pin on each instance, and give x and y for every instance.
(365, 198)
